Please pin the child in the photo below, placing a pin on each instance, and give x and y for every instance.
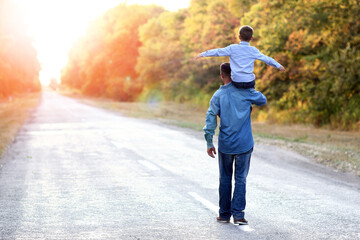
(242, 57)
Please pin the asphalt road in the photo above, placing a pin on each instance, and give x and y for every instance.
(79, 172)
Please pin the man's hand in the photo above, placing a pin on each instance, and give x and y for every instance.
(211, 152)
(282, 69)
(198, 56)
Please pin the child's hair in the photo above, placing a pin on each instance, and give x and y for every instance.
(246, 33)
(225, 69)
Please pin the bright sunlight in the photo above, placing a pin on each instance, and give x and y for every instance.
(55, 25)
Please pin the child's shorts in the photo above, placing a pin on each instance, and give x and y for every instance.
(244, 84)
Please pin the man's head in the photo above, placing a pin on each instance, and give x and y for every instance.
(246, 33)
(225, 72)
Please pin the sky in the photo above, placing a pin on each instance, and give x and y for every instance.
(56, 24)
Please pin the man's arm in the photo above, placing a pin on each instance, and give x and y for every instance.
(211, 124)
(257, 98)
(268, 60)
(219, 52)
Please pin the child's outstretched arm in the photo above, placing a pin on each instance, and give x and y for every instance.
(269, 61)
(218, 52)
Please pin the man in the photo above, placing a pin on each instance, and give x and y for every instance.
(233, 106)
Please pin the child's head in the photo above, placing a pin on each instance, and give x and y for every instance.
(246, 33)
(225, 70)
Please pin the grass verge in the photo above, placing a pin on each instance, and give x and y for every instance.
(13, 113)
(337, 149)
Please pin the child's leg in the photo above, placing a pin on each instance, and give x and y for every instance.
(244, 84)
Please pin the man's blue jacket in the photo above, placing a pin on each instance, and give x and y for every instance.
(233, 106)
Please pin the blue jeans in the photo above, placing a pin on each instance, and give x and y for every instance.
(236, 205)
(245, 85)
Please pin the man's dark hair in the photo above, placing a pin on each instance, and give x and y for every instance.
(225, 69)
(246, 33)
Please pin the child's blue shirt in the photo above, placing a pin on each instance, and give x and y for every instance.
(233, 106)
(242, 58)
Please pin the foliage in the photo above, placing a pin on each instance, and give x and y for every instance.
(318, 41)
(144, 52)
(102, 63)
(19, 67)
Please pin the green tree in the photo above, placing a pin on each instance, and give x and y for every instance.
(161, 55)
(318, 41)
(103, 62)
(208, 25)
(312, 39)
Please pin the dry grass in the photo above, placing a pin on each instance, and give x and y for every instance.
(12, 116)
(337, 149)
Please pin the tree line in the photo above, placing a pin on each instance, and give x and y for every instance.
(145, 53)
(19, 66)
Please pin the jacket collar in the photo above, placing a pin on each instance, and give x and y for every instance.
(244, 43)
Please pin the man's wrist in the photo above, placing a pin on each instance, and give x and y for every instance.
(210, 145)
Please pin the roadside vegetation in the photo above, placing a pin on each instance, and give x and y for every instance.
(144, 53)
(19, 73)
(337, 149)
(13, 113)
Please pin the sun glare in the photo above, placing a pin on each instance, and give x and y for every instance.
(55, 25)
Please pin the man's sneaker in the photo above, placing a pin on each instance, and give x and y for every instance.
(223, 220)
(241, 221)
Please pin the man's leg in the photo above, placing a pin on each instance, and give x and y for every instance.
(226, 170)
(242, 164)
